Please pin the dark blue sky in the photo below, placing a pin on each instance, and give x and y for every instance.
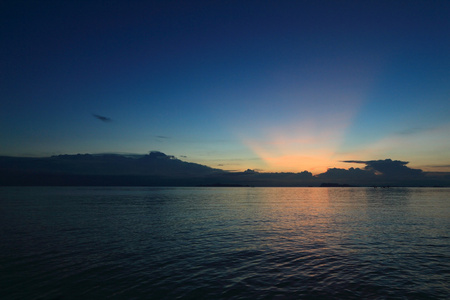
(271, 85)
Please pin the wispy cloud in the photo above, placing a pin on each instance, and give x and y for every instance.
(102, 118)
(436, 168)
(414, 130)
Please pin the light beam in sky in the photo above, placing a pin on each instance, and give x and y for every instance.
(316, 111)
(306, 146)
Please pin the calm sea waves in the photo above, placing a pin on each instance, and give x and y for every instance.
(224, 243)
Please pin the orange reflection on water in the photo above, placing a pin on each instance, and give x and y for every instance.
(302, 216)
(309, 219)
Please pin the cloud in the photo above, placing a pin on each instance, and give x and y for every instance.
(389, 168)
(414, 130)
(158, 168)
(422, 145)
(162, 137)
(438, 166)
(376, 172)
(347, 174)
(102, 118)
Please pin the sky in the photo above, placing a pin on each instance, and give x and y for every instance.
(275, 86)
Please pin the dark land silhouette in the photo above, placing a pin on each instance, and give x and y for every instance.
(159, 169)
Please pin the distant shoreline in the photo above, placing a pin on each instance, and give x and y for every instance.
(159, 169)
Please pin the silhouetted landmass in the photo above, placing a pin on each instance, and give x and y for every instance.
(159, 169)
(331, 184)
(223, 185)
(156, 168)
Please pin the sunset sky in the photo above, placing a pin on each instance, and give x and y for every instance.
(267, 85)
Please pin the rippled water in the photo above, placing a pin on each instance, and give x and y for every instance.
(224, 243)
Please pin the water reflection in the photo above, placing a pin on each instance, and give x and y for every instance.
(224, 243)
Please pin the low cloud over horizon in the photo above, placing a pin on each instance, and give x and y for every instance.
(388, 167)
(174, 171)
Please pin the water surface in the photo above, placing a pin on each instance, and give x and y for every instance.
(224, 243)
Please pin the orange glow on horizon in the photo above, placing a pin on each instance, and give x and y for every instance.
(310, 148)
(319, 111)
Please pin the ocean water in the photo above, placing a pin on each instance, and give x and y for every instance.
(224, 243)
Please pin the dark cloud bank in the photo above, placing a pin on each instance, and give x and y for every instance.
(159, 169)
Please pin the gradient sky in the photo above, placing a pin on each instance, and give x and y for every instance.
(266, 85)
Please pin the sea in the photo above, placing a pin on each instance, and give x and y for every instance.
(224, 243)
